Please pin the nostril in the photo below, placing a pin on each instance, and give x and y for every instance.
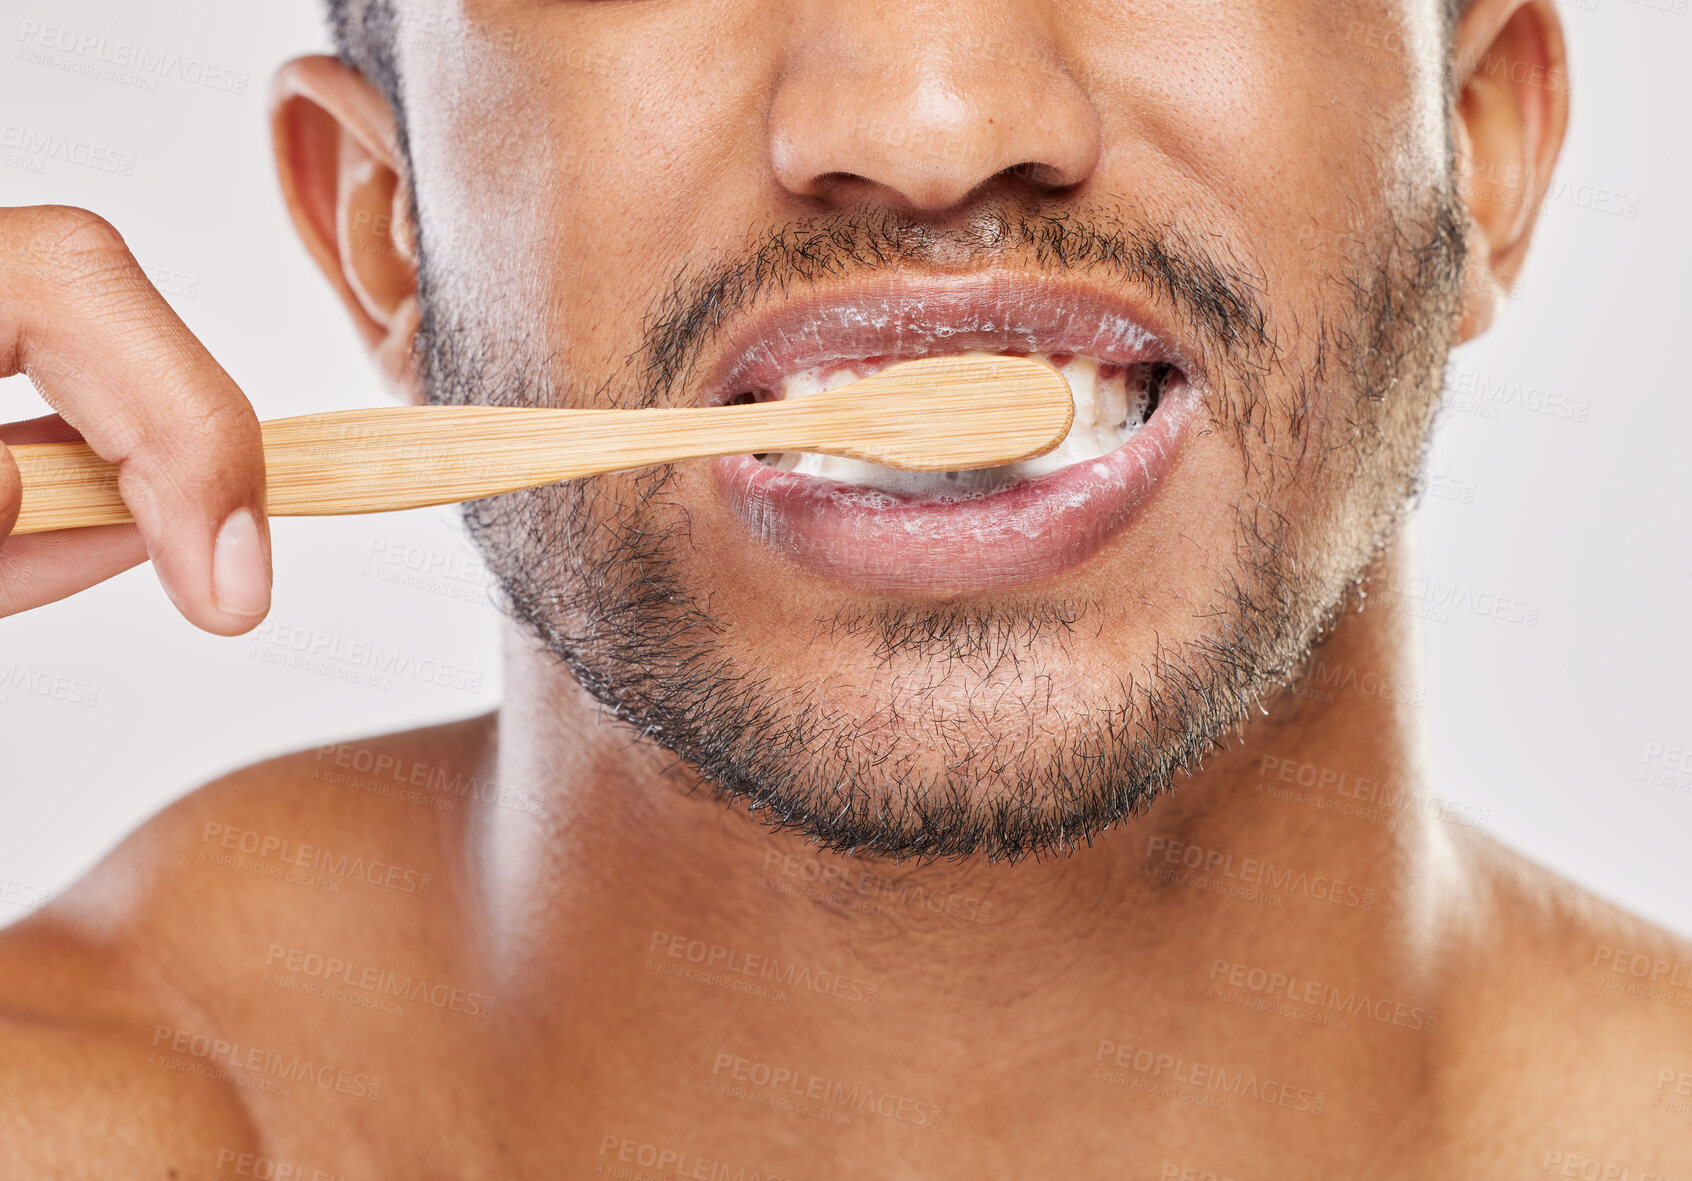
(1034, 172)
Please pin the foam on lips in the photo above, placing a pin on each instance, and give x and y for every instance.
(1111, 403)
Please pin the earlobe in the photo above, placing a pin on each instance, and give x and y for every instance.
(338, 161)
(1483, 296)
(1511, 113)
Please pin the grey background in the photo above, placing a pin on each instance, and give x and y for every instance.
(1558, 483)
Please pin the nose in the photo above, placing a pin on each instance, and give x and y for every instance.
(919, 105)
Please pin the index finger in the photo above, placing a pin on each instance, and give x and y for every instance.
(104, 348)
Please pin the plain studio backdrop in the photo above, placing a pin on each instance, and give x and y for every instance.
(1555, 565)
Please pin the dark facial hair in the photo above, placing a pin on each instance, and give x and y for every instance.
(599, 569)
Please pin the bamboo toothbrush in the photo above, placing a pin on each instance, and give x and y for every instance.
(932, 414)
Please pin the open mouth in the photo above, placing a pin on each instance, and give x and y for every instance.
(1112, 402)
(1136, 389)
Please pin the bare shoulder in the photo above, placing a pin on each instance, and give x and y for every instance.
(1571, 1044)
(124, 1004)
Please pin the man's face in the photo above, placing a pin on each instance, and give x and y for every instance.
(1237, 219)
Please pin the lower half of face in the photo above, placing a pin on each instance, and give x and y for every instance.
(1238, 242)
(993, 662)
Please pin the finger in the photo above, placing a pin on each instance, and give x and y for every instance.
(108, 353)
(42, 568)
(49, 428)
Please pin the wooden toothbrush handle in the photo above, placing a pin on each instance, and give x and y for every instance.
(928, 414)
(65, 485)
(376, 460)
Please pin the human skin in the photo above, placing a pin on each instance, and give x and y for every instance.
(1000, 1012)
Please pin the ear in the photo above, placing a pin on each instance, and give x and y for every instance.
(338, 158)
(1512, 110)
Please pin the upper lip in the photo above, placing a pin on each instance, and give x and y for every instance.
(900, 318)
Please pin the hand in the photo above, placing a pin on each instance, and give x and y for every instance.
(125, 375)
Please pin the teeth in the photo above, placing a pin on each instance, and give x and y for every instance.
(1111, 403)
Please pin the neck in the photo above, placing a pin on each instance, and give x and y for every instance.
(1298, 858)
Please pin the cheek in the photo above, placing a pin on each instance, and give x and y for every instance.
(568, 156)
(503, 184)
(1290, 130)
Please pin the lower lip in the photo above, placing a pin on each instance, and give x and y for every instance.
(1023, 534)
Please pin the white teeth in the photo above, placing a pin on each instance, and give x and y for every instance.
(1108, 411)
